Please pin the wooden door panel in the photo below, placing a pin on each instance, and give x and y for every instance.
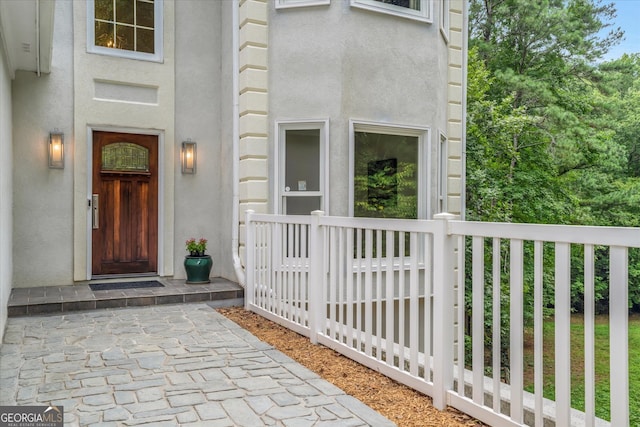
(126, 241)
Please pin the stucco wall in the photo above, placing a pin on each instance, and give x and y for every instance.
(6, 195)
(43, 198)
(341, 63)
(202, 200)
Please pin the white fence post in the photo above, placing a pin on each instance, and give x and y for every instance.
(316, 282)
(250, 226)
(443, 308)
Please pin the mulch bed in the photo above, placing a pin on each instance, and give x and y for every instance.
(402, 405)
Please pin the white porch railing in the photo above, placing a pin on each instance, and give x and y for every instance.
(388, 293)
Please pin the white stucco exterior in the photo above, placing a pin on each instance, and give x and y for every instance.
(230, 72)
(43, 197)
(6, 191)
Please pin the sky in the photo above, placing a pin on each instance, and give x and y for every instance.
(629, 20)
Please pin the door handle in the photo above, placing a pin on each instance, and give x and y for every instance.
(95, 211)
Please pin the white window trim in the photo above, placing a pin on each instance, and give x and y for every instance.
(281, 126)
(286, 4)
(425, 14)
(424, 166)
(444, 20)
(443, 160)
(120, 53)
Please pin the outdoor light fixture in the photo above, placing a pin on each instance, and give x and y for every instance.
(56, 150)
(188, 155)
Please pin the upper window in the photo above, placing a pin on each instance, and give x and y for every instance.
(389, 170)
(281, 4)
(126, 28)
(420, 10)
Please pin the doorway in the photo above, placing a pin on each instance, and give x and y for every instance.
(124, 204)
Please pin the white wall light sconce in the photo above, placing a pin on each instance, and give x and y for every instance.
(188, 157)
(56, 150)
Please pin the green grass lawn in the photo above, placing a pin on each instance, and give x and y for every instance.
(577, 365)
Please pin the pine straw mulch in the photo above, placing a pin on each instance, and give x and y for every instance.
(402, 405)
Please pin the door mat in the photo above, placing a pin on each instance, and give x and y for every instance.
(125, 285)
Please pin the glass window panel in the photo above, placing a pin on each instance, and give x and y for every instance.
(145, 41)
(144, 14)
(301, 205)
(386, 175)
(302, 164)
(124, 37)
(103, 9)
(124, 12)
(409, 4)
(125, 156)
(125, 24)
(104, 34)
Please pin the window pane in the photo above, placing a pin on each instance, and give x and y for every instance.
(103, 9)
(104, 34)
(409, 4)
(144, 14)
(302, 165)
(386, 175)
(124, 12)
(145, 41)
(124, 37)
(125, 24)
(301, 205)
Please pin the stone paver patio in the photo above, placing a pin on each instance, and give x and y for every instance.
(164, 365)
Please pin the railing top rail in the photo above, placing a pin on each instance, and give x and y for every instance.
(281, 219)
(385, 224)
(578, 234)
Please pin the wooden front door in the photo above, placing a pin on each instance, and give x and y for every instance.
(124, 203)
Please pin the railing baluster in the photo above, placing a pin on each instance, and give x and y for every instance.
(290, 271)
(563, 333)
(281, 248)
(460, 303)
(333, 267)
(401, 314)
(350, 273)
(414, 315)
(379, 294)
(258, 263)
(478, 318)
(496, 346)
(589, 337)
(304, 274)
(271, 291)
(358, 307)
(516, 342)
(538, 328)
(619, 333)
(390, 299)
(297, 279)
(342, 260)
(428, 294)
(368, 292)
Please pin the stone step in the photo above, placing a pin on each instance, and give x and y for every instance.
(58, 299)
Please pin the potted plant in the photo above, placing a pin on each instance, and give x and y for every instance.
(197, 264)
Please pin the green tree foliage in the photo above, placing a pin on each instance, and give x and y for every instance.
(553, 133)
